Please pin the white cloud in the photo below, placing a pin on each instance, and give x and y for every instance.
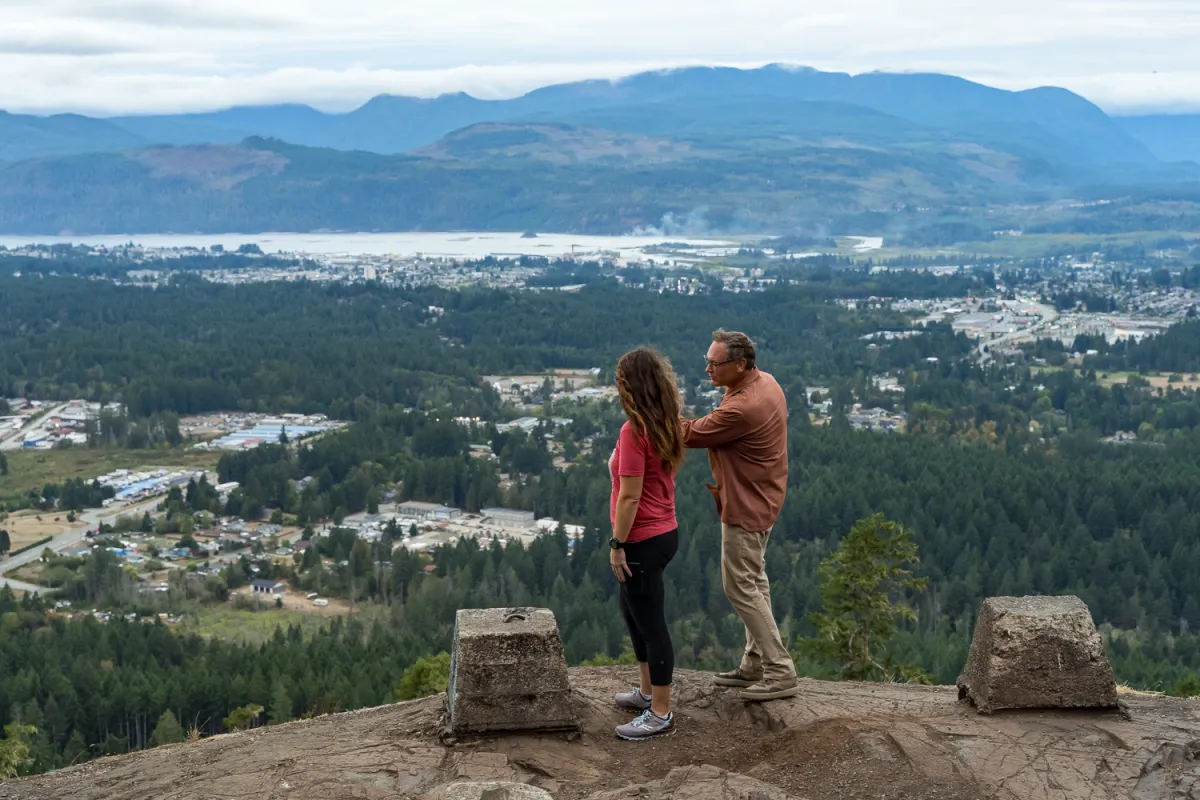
(136, 56)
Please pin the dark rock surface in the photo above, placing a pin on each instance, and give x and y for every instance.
(835, 741)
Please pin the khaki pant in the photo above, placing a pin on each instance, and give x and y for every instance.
(744, 578)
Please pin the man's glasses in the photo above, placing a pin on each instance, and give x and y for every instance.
(709, 363)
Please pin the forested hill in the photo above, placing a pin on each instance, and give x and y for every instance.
(588, 182)
(774, 149)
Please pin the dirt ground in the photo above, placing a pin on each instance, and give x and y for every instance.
(835, 741)
(298, 601)
(25, 528)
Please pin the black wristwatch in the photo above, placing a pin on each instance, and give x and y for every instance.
(616, 544)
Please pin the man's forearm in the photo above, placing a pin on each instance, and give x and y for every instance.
(714, 430)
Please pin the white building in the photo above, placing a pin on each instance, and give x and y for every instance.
(509, 517)
(424, 511)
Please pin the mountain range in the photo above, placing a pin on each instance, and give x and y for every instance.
(770, 146)
(1050, 122)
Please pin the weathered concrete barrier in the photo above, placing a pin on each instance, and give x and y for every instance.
(1036, 652)
(508, 672)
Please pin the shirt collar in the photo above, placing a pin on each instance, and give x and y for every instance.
(750, 380)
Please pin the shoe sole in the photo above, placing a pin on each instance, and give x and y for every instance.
(663, 735)
(758, 697)
(736, 683)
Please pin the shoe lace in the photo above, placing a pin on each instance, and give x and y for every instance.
(642, 720)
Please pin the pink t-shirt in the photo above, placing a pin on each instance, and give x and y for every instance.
(634, 456)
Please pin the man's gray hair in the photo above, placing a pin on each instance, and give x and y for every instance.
(737, 345)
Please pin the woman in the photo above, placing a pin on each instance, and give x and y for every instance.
(645, 535)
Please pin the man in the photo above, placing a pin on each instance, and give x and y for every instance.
(746, 438)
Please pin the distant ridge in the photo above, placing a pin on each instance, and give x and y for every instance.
(23, 136)
(1170, 137)
(1046, 122)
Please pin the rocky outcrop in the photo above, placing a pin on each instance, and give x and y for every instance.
(705, 782)
(1037, 652)
(835, 741)
(489, 790)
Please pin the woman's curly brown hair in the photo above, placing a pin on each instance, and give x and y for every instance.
(650, 397)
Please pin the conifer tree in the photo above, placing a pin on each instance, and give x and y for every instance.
(429, 675)
(861, 584)
(167, 730)
(281, 704)
(15, 748)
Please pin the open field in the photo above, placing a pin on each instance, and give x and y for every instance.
(30, 573)
(33, 469)
(251, 627)
(27, 527)
(1027, 246)
(1189, 380)
(1040, 243)
(254, 627)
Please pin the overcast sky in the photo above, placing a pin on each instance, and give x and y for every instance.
(159, 56)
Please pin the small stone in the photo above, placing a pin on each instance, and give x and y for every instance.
(1037, 652)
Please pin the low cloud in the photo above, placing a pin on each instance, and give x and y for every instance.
(146, 56)
(15, 46)
(167, 14)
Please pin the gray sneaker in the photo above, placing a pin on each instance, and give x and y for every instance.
(633, 700)
(647, 725)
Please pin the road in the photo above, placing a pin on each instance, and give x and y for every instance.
(15, 439)
(91, 520)
(1047, 313)
(20, 586)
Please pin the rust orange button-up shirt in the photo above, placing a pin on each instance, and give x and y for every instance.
(746, 438)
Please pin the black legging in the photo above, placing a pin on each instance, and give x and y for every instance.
(642, 604)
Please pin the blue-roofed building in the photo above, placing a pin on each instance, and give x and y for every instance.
(268, 433)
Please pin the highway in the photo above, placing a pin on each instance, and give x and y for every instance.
(1047, 313)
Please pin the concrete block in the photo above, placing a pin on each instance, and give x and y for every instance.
(1036, 652)
(508, 672)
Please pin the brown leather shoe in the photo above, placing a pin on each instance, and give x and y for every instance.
(770, 690)
(735, 678)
